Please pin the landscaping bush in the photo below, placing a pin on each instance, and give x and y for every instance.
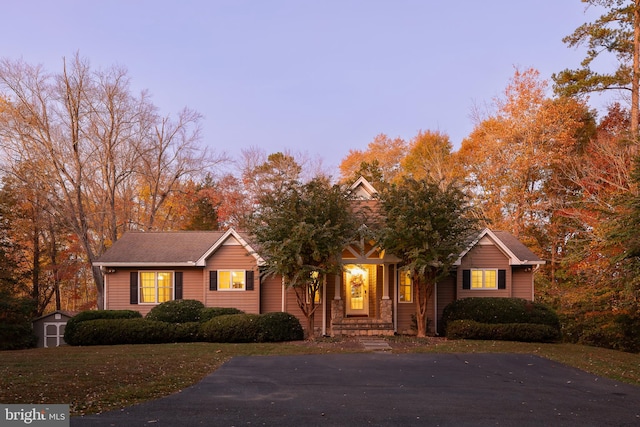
(231, 328)
(177, 311)
(133, 331)
(500, 310)
(526, 332)
(72, 324)
(209, 313)
(278, 326)
(618, 331)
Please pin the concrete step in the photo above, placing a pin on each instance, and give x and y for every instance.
(374, 344)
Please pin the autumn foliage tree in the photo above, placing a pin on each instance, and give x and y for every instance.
(426, 226)
(301, 230)
(103, 160)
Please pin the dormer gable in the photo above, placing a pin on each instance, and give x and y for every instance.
(512, 248)
(362, 189)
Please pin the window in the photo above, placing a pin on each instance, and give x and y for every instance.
(406, 287)
(484, 279)
(231, 280)
(156, 286)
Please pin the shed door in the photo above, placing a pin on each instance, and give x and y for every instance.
(54, 334)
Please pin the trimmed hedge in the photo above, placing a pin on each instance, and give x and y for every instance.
(177, 311)
(526, 332)
(72, 324)
(494, 310)
(209, 313)
(134, 331)
(278, 326)
(230, 328)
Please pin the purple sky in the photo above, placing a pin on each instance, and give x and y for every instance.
(320, 77)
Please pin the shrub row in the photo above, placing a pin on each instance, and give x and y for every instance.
(234, 328)
(70, 331)
(496, 310)
(526, 332)
(618, 331)
(183, 311)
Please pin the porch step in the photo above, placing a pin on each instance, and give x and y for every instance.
(374, 344)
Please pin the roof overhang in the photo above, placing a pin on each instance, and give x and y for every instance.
(201, 262)
(513, 259)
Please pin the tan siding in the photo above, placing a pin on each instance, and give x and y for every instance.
(271, 294)
(523, 283)
(484, 256)
(446, 295)
(117, 293)
(233, 257)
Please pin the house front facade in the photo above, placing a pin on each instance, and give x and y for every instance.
(372, 296)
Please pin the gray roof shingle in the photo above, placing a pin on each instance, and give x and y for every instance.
(175, 247)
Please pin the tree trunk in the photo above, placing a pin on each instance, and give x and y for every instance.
(635, 84)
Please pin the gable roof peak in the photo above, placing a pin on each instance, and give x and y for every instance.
(362, 189)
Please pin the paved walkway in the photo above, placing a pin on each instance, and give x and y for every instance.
(385, 389)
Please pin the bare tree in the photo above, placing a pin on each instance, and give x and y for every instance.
(105, 158)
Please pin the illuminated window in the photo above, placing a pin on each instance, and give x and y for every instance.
(484, 279)
(156, 286)
(406, 287)
(314, 285)
(232, 280)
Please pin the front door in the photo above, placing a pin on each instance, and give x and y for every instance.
(357, 289)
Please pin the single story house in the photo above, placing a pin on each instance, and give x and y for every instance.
(372, 296)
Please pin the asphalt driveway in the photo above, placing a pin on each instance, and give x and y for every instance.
(384, 389)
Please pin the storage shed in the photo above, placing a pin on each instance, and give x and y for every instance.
(50, 328)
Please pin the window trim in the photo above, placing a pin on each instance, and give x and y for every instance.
(172, 295)
(231, 288)
(484, 287)
(400, 274)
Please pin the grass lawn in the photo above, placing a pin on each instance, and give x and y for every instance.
(101, 378)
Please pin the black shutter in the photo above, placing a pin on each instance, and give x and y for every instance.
(178, 284)
(502, 279)
(466, 279)
(213, 280)
(248, 278)
(133, 287)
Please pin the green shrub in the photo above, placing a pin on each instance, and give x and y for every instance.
(16, 336)
(618, 331)
(134, 331)
(279, 326)
(72, 324)
(209, 313)
(500, 310)
(177, 311)
(231, 328)
(526, 332)
(16, 331)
